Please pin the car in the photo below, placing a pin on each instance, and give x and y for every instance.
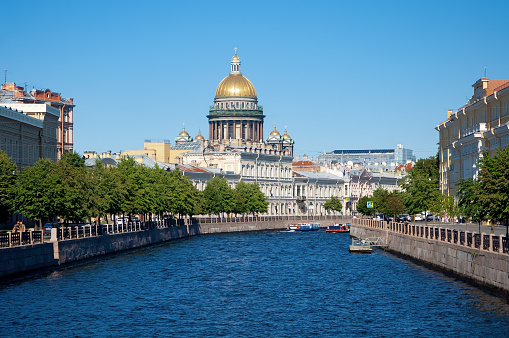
(46, 228)
(418, 217)
(381, 217)
(431, 218)
(402, 218)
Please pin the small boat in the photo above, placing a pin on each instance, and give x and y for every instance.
(338, 228)
(304, 227)
(360, 246)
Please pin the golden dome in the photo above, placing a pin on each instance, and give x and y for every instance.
(235, 57)
(235, 85)
(286, 136)
(199, 136)
(275, 132)
(184, 132)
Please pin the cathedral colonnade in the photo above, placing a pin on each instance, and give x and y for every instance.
(230, 129)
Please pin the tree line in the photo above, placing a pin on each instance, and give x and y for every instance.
(481, 199)
(69, 190)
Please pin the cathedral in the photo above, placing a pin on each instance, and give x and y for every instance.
(236, 118)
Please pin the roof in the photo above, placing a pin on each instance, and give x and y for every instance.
(495, 85)
(304, 163)
(319, 176)
(193, 145)
(363, 151)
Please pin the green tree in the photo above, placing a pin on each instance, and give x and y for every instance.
(421, 186)
(248, 198)
(394, 204)
(185, 198)
(36, 191)
(108, 196)
(449, 206)
(362, 206)
(333, 204)
(8, 177)
(468, 200)
(242, 194)
(217, 197)
(493, 186)
(132, 182)
(257, 203)
(74, 197)
(380, 196)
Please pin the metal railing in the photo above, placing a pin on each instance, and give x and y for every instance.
(10, 239)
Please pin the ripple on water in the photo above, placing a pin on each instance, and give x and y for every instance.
(250, 284)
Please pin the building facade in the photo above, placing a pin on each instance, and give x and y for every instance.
(28, 132)
(480, 125)
(11, 93)
(379, 160)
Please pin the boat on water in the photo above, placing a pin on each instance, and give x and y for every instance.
(304, 227)
(360, 246)
(338, 228)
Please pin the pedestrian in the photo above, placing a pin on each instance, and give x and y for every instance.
(16, 227)
(21, 226)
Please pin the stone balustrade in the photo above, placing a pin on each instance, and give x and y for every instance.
(481, 241)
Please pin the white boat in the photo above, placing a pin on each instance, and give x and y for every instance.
(304, 227)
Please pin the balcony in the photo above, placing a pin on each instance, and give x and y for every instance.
(301, 199)
(475, 129)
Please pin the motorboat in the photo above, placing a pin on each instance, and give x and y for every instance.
(304, 227)
(338, 228)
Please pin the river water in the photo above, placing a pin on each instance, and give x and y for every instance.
(263, 284)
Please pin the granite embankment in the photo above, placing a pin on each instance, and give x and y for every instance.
(33, 258)
(480, 259)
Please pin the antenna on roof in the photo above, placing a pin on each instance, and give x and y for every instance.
(484, 71)
(5, 80)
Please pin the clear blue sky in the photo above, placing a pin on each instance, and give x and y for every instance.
(338, 74)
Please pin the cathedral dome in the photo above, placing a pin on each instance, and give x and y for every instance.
(184, 133)
(275, 132)
(286, 136)
(235, 85)
(199, 136)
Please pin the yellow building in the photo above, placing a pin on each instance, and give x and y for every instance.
(480, 125)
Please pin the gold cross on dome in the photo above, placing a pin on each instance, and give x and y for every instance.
(235, 50)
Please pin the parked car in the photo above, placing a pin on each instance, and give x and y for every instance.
(431, 218)
(381, 217)
(418, 217)
(46, 228)
(402, 218)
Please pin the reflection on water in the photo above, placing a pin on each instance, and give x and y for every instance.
(251, 284)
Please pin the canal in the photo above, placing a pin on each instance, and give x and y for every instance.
(250, 284)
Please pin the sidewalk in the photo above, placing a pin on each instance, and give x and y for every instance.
(472, 227)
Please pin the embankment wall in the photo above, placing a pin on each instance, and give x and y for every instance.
(475, 265)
